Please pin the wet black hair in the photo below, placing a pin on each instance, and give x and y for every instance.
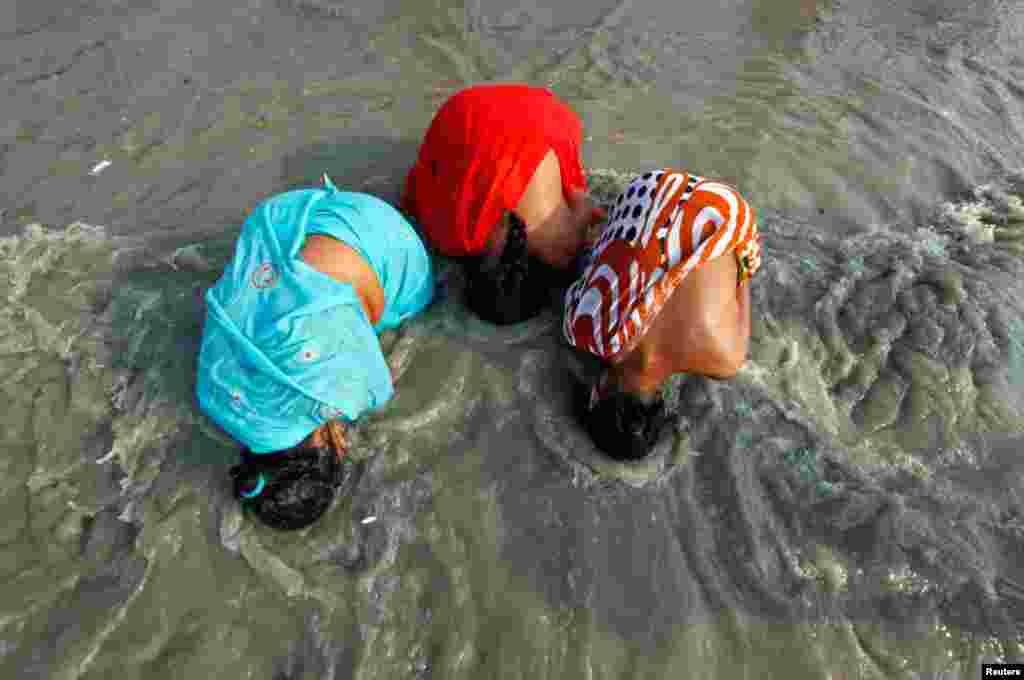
(288, 489)
(515, 287)
(620, 424)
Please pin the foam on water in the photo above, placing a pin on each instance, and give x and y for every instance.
(894, 345)
(884, 370)
(847, 471)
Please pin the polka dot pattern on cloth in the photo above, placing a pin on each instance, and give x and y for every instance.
(630, 209)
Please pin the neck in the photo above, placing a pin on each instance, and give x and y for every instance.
(641, 373)
(555, 239)
(329, 435)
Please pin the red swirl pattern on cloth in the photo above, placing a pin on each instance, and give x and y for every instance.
(661, 227)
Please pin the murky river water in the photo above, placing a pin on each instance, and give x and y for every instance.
(849, 507)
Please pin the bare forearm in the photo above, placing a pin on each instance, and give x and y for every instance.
(743, 321)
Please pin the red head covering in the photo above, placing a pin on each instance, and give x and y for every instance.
(479, 154)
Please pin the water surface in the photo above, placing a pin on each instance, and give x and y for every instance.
(848, 507)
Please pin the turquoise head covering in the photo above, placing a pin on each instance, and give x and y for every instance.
(286, 347)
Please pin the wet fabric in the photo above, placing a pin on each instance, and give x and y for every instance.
(388, 242)
(478, 156)
(286, 347)
(662, 227)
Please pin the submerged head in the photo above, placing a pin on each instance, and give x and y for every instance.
(621, 424)
(514, 286)
(293, 488)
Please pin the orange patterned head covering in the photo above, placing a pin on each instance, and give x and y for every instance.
(662, 227)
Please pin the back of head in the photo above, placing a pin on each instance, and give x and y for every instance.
(288, 489)
(619, 423)
(514, 286)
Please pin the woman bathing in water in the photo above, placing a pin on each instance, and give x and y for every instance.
(290, 349)
(664, 290)
(498, 181)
